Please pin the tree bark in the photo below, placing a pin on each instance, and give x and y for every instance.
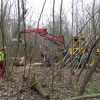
(89, 73)
(86, 97)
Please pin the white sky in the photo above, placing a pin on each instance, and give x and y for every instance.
(35, 7)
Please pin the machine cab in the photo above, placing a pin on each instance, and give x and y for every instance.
(77, 45)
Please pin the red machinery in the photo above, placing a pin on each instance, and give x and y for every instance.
(43, 32)
(58, 40)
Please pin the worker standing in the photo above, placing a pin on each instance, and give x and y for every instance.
(2, 61)
(83, 58)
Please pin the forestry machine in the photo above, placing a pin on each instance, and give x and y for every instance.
(58, 40)
(77, 47)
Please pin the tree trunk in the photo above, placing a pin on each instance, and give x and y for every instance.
(89, 74)
(90, 71)
(86, 97)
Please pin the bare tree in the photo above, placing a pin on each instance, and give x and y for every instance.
(90, 71)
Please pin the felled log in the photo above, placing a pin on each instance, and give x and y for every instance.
(37, 64)
(19, 61)
(36, 85)
(86, 97)
(22, 61)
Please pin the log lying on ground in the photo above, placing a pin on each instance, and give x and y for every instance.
(85, 97)
(36, 85)
(36, 64)
(19, 61)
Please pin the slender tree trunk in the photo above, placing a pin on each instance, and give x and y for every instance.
(61, 70)
(2, 24)
(52, 84)
(93, 20)
(86, 97)
(89, 72)
(93, 24)
(72, 66)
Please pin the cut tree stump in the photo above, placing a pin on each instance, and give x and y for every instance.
(36, 85)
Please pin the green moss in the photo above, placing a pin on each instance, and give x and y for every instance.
(92, 89)
(57, 98)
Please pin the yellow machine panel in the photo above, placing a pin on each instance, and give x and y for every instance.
(98, 50)
(77, 45)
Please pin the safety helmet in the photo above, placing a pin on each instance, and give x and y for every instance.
(3, 48)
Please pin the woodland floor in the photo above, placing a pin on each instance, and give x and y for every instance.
(61, 91)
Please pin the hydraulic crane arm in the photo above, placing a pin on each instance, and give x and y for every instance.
(43, 32)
